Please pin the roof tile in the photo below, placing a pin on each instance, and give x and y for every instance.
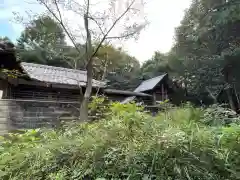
(58, 75)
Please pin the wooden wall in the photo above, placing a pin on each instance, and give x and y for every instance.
(29, 114)
(24, 107)
(161, 92)
(43, 93)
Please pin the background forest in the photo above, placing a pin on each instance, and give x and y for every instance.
(206, 41)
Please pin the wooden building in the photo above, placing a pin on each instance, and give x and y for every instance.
(41, 94)
(34, 95)
(158, 87)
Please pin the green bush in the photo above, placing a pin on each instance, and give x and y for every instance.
(217, 115)
(128, 144)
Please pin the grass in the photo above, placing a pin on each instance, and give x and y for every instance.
(129, 145)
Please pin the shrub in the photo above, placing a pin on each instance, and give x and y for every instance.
(98, 107)
(218, 115)
(127, 144)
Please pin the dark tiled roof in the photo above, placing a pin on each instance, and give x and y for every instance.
(58, 75)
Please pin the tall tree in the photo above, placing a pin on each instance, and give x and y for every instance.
(206, 35)
(116, 66)
(111, 22)
(4, 38)
(156, 66)
(43, 31)
(43, 42)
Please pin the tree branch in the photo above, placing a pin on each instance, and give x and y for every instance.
(88, 41)
(121, 37)
(104, 72)
(88, 6)
(60, 21)
(220, 7)
(58, 10)
(110, 29)
(97, 24)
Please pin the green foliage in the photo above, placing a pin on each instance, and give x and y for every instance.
(206, 35)
(43, 42)
(98, 108)
(206, 42)
(12, 73)
(126, 144)
(44, 31)
(4, 39)
(156, 66)
(218, 115)
(120, 68)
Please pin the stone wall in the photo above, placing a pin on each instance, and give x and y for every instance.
(28, 114)
(4, 114)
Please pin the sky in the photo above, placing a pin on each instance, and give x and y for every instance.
(163, 15)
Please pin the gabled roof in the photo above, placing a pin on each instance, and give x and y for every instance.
(149, 84)
(145, 86)
(57, 75)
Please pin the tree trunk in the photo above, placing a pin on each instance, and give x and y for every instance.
(230, 99)
(88, 91)
(87, 94)
(214, 98)
(229, 88)
(104, 73)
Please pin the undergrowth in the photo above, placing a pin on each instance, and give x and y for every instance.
(128, 144)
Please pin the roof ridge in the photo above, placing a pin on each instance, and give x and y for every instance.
(149, 82)
(155, 77)
(54, 67)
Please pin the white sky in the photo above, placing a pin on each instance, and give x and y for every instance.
(164, 16)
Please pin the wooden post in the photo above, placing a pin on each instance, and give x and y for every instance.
(237, 98)
(230, 99)
(154, 98)
(166, 94)
(162, 92)
(229, 89)
(6, 90)
(2, 88)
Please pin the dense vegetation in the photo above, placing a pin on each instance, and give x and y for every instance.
(207, 41)
(128, 143)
